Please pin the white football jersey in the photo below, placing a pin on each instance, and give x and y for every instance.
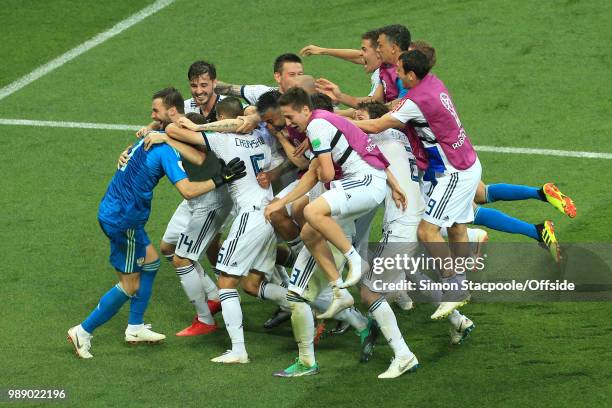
(396, 148)
(251, 93)
(252, 149)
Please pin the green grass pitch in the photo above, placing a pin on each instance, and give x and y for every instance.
(522, 73)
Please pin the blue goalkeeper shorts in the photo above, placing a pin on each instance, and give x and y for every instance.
(128, 247)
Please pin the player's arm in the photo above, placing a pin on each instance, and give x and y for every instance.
(333, 91)
(306, 183)
(397, 193)
(325, 171)
(223, 88)
(142, 132)
(234, 170)
(387, 121)
(187, 151)
(300, 161)
(346, 54)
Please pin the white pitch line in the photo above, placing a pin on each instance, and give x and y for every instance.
(84, 47)
(75, 125)
(492, 149)
(544, 152)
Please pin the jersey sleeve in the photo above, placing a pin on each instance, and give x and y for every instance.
(407, 110)
(211, 141)
(251, 93)
(375, 81)
(321, 133)
(172, 164)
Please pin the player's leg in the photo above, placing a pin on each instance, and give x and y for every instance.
(202, 229)
(450, 205)
(137, 331)
(303, 332)
(178, 222)
(321, 253)
(124, 255)
(256, 284)
(232, 315)
(511, 192)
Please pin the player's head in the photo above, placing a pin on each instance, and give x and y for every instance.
(196, 118)
(287, 68)
(229, 108)
(269, 110)
(321, 101)
(369, 44)
(425, 48)
(167, 104)
(307, 83)
(370, 110)
(202, 77)
(412, 67)
(392, 41)
(296, 107)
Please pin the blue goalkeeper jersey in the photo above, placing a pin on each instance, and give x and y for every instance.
(127, 201)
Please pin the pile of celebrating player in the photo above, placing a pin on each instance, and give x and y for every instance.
(297, 181)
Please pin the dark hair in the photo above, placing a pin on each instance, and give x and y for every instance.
(196, 118)
(200, 68)
(171, 97)
(372, 36)
(427, 49)
(229, 107)
(267, 101)
(321, 101)
(375, 109)
(416, 62)
(398, 35)
(295, 97)
(281, 59)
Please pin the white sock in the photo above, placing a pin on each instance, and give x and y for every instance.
(194, 289)
(382, 312)
(472, 234)
(353, 256)
(232, 315)
(274, 292)
(455, 319)
(82, 332)
(212, 292)
(303, 331)
(353, 317)
(134, 328)
(336, 282)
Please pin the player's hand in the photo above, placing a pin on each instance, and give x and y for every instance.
(299, 151)
(328, 88)
(273, 207)
(229, 172)
(124, 157)
(263, 178)
(142, 132)
(399, 197)
(311, 50)
(187, 124)
(153, 138)
(248, 123)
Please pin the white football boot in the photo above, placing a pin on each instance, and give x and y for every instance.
(400, 366)
(81, 340)
(342, 300)
(458, 334)
(229, 357)
(144, 335)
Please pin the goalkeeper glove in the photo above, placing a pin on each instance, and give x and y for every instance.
(229, 172)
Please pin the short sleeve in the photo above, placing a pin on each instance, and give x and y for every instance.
(251, 93)
(211, 141)
(406, 111)
(321, 133)
(172, 164)
(375, 81)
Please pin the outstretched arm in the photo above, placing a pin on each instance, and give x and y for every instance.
(223, 88)
(350, 55)
(378, 125)
(333, 91)
(187, 151)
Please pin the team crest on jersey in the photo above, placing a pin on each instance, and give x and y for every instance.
(140, 261)
(316, 143)
(448, 104)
